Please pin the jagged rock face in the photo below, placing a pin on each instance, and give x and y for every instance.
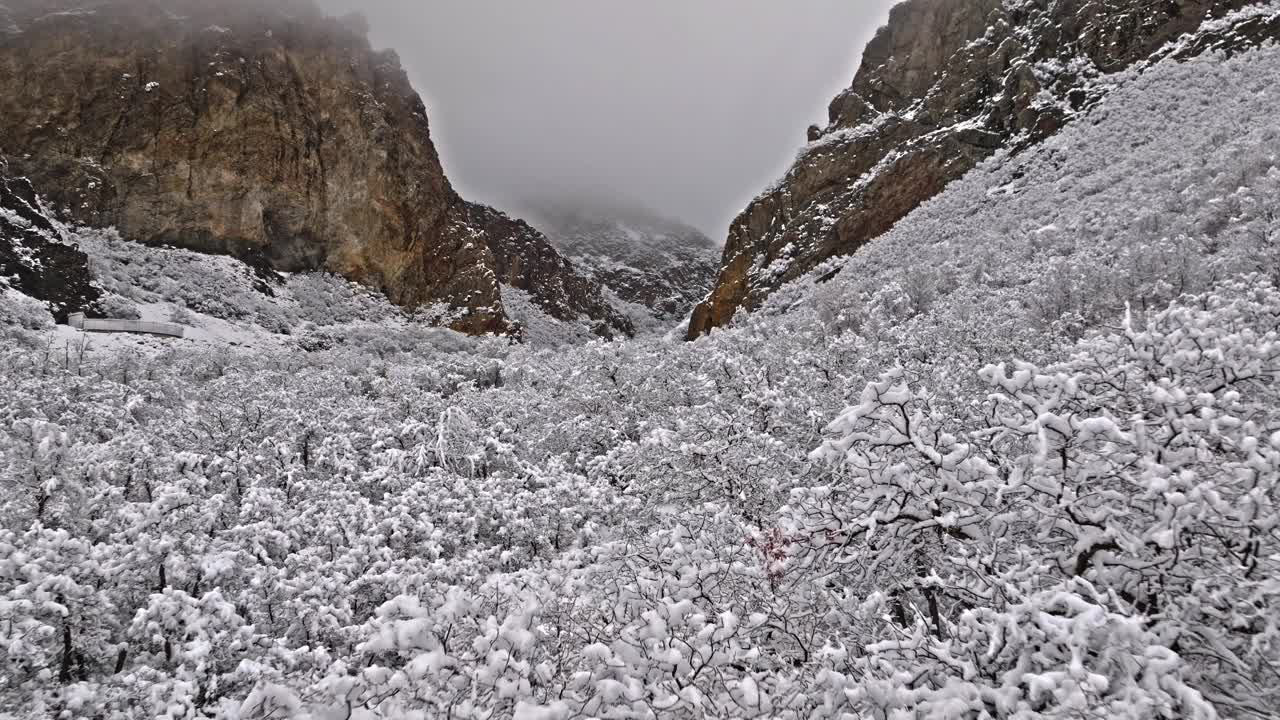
(34, 257)
(943, 86)
(523, 259)
(245, 127)
(662, 265)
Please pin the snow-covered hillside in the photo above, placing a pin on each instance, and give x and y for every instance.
(1166, 189)
(1019, 458)
(223, 302)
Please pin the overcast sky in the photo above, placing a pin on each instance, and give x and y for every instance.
(688, 107)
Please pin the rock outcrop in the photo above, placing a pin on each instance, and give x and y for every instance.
(268, 129)
(35, 258)
(943, 86)
(645, 260)
(524, 259)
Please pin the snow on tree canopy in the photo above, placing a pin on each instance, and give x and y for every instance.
(981, 469)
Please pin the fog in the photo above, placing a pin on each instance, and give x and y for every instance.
(687, 107)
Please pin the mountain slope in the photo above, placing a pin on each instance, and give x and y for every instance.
(951, 475)
(525, 261)
(246, 128)
(643, 259)
(943, 86)
(1150, 196)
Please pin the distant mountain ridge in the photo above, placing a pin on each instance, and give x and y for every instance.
(265, 129)
(643, 258)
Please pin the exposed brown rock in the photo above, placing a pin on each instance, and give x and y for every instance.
(523, 259)
(246, 127)
(943, 86)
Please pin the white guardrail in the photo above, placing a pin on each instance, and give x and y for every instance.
(80, 322)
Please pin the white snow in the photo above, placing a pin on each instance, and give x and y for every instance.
(1019, 457)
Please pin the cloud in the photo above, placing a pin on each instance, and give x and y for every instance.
(689, 107)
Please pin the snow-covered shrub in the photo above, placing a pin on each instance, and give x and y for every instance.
(957, 479)
(325, 299)
(182, 316)
(117, 307)
(22, 318)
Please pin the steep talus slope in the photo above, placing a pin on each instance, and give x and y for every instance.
(942, 86)
(240, 127)
(35, 259)
(645, 260)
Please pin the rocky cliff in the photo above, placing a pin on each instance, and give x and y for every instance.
(35, 258)
(645, 260)
(262, 129)
(943, 86)
(524, 259)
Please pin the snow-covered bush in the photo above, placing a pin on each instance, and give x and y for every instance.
(23, 318)
(958, 479)
(118, 308)
(325, 299)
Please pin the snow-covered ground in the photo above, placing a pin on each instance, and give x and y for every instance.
(1019, 458)
(201, 331)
